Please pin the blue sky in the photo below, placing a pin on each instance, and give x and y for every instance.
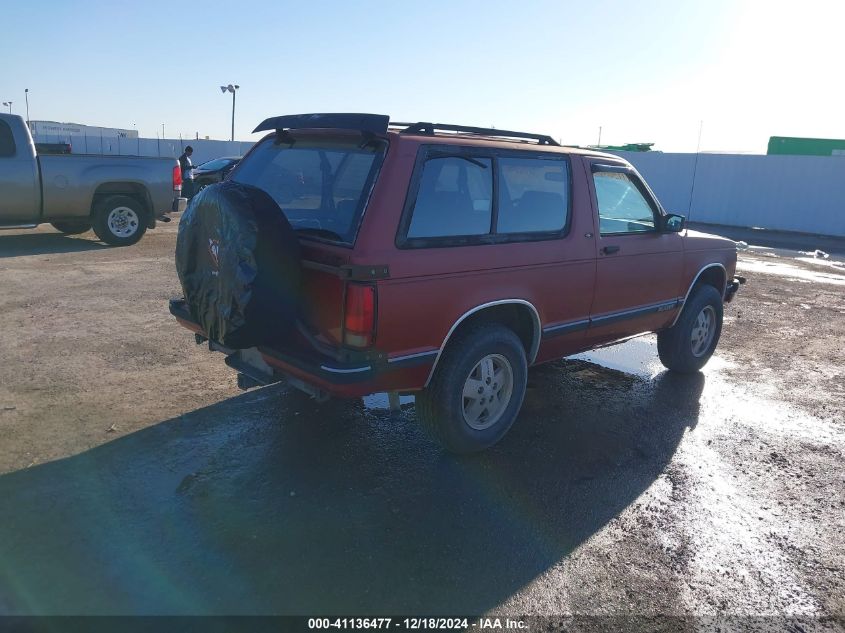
(644, 71)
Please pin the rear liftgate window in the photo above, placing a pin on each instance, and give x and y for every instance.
(465, 199)
(321, 185)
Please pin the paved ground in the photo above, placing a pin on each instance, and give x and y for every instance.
(135, 479)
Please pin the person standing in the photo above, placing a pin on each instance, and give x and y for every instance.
(187, 173)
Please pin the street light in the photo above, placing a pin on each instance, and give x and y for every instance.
(26, 96)
(8, 103)
(224, 90)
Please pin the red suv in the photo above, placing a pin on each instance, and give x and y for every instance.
(350, 255)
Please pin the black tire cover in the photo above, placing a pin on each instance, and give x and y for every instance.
(238, 261)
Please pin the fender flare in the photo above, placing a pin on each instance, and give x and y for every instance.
(535, 340)
(692, 285)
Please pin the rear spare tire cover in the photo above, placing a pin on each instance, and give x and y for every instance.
(238, 261)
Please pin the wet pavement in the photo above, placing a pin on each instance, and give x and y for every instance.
(621, 489)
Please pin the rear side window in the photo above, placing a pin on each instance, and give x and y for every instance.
(7, 141)
(533, 195)
(321, 186)
(455, 198)
(498, 196)
(622, 207)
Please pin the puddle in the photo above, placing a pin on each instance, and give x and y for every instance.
(829, 263)
(637, 356)
(793, 272)
(380, 401)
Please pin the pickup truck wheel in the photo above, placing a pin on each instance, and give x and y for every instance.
(120, 220)
(477, 389)
(688, 345)
(71, 227)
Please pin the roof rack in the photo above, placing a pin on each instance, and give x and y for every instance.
(367, 123)
(428, 129)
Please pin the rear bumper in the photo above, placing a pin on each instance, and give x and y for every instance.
(732, 288)
(326, 374)
(179, 205)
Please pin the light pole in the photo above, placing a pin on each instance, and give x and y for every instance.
(231, 88)
(8, 103)
(26, 96)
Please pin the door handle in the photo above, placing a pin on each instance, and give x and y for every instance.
(609, 250)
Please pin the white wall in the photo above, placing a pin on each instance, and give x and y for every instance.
(203, 149)
(787, 193)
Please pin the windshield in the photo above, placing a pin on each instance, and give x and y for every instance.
(216, 164)
(321, 185)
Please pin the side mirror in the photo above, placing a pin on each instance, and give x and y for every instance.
(674, 223)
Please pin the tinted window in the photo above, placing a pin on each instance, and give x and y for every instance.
(533, 195)
(321, 187)
(622, 208)
(7, 141)
(455, 198)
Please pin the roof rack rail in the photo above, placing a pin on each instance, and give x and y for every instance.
(367, 123)
(428, 129)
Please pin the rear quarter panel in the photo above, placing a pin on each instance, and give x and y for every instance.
(430, 289)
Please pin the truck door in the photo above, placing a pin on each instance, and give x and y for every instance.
(19, 183)
(638, 265)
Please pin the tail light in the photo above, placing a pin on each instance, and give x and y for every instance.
(359, 321)
(177, 178)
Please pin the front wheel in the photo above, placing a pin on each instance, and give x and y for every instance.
(688, 345)
(120, 220)
(477, 389)
(71, 227)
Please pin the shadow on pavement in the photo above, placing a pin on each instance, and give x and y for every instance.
(266, 503)
(47, 244)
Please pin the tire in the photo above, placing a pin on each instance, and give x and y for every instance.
(120, 220)
(72, 227)
(688, 345)
(238, 261)
(450, 417)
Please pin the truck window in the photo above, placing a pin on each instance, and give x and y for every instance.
(454, 199)
(622, 207)
(7, 141)
(533, 195)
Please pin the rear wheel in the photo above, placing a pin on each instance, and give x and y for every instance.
(688, 345)
(120, 220)
(477, 389)
(71, 227)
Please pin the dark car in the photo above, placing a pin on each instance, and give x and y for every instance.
(214, 171)
(439, 260)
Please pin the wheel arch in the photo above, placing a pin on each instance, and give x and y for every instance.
(135, 190)
(715, 275)
(518, 314)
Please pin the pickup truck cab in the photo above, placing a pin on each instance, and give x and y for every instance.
(444, 260)
(120, 197)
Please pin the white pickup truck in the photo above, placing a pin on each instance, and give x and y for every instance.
(120, 197)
